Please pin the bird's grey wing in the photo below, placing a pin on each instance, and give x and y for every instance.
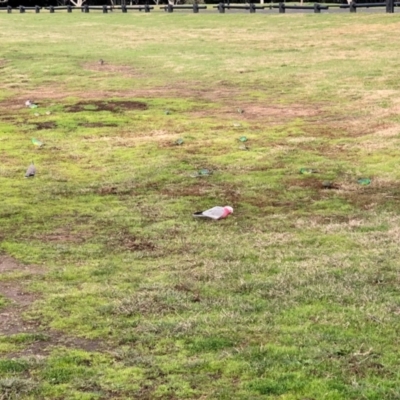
(30, 171)
(214, 213)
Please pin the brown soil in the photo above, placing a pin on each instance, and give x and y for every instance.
(122, 189)
(124, 239)
(6, 118)
(229, 96)
(113, 106)
(98, 124)
(20, 300)
(371, 196)
(311, 182)
(63, 235)
(254, 111)
(107, 190)
(46, 95)
(51, 339)
(46, 125)
(8, 264)
(226, 95)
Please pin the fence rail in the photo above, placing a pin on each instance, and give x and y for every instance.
(221, 7)
(195, 7)
(316, 7)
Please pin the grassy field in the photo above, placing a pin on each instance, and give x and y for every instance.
(109, 289)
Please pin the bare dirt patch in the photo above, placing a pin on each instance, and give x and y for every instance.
(240, 111)
(10, 316)
(334, 127)
(98, 124)
(194, 90)
(46, 341)
(124, 239)
(379, 193)
(293, 111)
(46, 125)
(108, 190)
(230, 97)
(8, 264)
(311, 182)
(388, 132)
(113, 106)
(12, 320)
(363, 127)
(63, 235)
(20, 299)
(7, 118)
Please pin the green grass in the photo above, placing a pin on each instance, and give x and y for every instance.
(294, 296)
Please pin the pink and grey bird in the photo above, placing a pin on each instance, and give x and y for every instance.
(30, 104)
(215, 213)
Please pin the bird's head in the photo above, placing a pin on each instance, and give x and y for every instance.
(229, 208)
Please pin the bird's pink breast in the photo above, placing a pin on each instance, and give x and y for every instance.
(225, 213)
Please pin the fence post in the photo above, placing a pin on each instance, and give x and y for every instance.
(69, 8)
(146, 7)
(252, 7)
(170, 8)
(282, 8)
(353, 7)
(9, 9)
(21, 9)
(86, 8)
(195, 7)
(221, 7)
(105, 11)
(51, 9)
(37, 9)
(317, 10)
(390, 6)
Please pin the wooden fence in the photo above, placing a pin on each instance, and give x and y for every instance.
(221, 7)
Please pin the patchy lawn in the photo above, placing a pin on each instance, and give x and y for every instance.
(109, 289)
